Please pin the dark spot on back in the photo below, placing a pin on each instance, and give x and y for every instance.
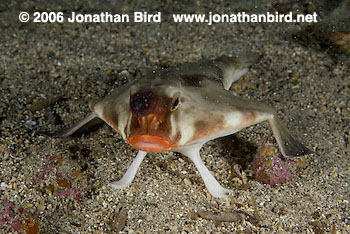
(193, 80)
(140, 103)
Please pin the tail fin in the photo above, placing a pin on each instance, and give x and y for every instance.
(289, 146)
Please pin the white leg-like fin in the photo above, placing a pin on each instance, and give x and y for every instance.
(210, 182)
(128, 177)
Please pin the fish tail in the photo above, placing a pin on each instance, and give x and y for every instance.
(289, 146)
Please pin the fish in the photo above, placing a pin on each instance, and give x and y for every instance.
(181, 108)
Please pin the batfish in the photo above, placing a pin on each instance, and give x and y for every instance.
(180, 109)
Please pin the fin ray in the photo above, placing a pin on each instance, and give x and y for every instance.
(235, 67)
(81, 126)
(289, 146)
(224, 69)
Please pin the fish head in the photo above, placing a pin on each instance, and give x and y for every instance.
(162, 113)
(142, 113)
(150, 127)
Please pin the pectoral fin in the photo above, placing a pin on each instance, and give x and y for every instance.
(130, 173)
(83, 125)
(213, 186)
(223, 69)
(234, 67)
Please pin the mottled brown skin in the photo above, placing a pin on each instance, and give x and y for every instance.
(249, 117)
(205, 127)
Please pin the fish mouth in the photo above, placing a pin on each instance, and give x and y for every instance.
(149, 143)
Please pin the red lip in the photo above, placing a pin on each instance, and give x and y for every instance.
(149, 143)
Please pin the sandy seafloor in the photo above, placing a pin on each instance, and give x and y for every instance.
(50, 71)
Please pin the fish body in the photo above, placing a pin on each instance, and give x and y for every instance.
(180, 109)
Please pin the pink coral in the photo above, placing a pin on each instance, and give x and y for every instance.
(271, 169)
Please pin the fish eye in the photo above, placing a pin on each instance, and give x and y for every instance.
(175, 102)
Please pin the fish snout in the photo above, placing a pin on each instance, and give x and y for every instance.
(149, 133)
(150, 122)
(149, 143)
(150, 127)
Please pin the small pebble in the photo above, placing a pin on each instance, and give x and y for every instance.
(187, 182)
